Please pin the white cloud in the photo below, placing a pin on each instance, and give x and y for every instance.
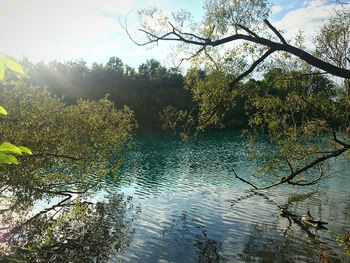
(308, 19)
(276, 9)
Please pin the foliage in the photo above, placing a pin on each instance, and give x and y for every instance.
(69, 142)
(74, 148)
(8, 150)
(223, 15)
(342, 241)
(299, 115)
(305, 115)
(146, 90)
(332, 43)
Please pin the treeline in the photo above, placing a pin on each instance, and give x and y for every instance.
(146, 90)
(151, 88)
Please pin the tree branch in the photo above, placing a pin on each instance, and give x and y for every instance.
(238, 79)
(294, 173)
(278, 34)
(248, 30)
(177, 35)
(193, 56)
(245, 181)
(322, 173)
(251, 68)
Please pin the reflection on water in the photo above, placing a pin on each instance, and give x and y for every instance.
(88, 234)
(194, 210)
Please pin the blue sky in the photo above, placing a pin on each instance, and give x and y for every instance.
(89, 29)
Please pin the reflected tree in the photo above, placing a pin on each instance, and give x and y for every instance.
(72, 231)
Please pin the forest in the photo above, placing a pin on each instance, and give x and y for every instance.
(152, 90)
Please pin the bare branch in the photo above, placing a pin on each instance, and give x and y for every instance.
(322, 173)
(236, 80)
(278, 34)
(177, 31)
(299, 171)
(341, 143)
(251, 69)
(245, 181)
(289, 164)
(275, 46)
(193, 56)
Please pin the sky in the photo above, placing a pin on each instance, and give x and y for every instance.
(89, 29)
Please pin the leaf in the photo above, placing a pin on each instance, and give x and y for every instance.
(8, 158)
(3, 111)
(7, 147)
(25, 150)
(5, 197)
(14, 260)
(2, 70)
(13, 160)
(13, 65)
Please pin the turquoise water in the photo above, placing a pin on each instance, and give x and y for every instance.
(194, 210)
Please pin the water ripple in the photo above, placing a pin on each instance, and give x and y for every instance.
(194, 210)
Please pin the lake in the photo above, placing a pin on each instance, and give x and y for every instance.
(180, 202)
(193, 209)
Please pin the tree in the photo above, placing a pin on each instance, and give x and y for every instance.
(222, 43)
(332, 44)
(74, 148)
(115, 64)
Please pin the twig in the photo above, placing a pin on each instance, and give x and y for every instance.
(245, 181)
(248, 30)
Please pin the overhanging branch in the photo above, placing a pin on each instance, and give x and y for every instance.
(296, 172)
(190, 38)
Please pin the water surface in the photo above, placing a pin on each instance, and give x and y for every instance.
(193, 209)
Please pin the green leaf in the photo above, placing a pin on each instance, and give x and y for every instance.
(2, 70)
(14, 260)
(9, 148)
(8, 158)
(3, 111)
(13, 160)
(5, 197)
(13, 65)
(25, 150)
